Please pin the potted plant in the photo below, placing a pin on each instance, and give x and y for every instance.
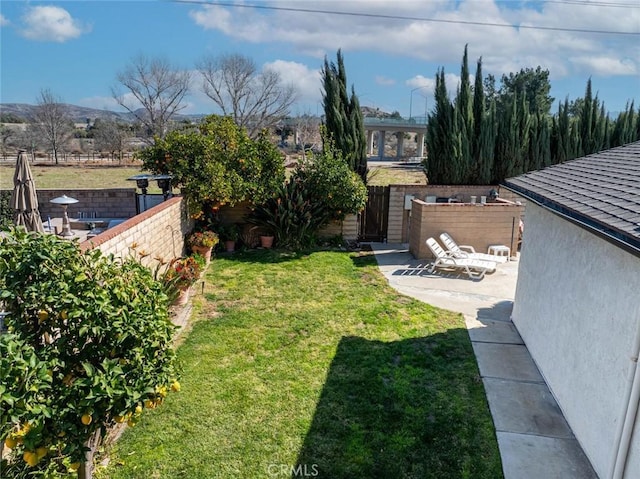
(202, 242)
(182, 273)
(264, 221)
(229, 233)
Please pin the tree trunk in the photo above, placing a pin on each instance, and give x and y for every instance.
(85, 471)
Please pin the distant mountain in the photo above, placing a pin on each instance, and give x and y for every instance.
(79, 114)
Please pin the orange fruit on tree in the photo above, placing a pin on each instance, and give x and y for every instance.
(30, 458)
(41, 452)
(11, 442)
(119, 419)
(86, 419)
(42, 315)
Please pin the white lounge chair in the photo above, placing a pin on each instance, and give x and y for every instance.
(466, 251)
(475, 268)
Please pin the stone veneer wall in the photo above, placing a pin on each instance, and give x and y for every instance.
(475, 225)
(159, 231)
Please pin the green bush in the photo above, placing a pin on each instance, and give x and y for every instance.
(218, 164)
(6, 212)
(330, 182)
(319, 191)
(89, 345)
(290, 216)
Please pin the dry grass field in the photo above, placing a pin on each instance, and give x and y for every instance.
(109, 175)
(74, 176)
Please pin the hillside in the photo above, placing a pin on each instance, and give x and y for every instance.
(79, 114)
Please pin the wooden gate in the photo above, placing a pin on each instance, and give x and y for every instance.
(375, 218)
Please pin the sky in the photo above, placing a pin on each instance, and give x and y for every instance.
(392, 48)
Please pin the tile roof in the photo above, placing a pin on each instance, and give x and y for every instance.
(600, 191)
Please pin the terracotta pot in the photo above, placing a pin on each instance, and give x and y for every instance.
(230, 246)
(183, 297)
(266, 241)
(204, 251)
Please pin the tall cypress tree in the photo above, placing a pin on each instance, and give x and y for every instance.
(343, 118)
(439, 134)
(483, 141)
(463, 160)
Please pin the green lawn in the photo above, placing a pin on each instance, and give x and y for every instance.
(312, 363)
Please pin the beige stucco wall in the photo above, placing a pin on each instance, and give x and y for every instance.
(399, 217)
(577, 309)
(475, 225)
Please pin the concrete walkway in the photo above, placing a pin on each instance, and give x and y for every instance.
(534, 439)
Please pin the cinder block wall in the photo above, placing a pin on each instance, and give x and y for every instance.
(347, 228)
(158, 233)
(400, 223)
(475, 225)
(107, 203)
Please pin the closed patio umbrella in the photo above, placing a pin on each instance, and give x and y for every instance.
(23, 199)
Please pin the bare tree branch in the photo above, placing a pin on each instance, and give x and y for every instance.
(255, 100)
(158, 91)
(52, 122)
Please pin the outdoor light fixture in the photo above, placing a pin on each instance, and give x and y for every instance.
(142, 182)
(493, 194)
(64, 201)
(164, 183)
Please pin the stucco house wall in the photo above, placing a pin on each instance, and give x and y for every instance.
(577, 308)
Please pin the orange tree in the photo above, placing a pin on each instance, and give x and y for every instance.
(216, 164)
(88, 346)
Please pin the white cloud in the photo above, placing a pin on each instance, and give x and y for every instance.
(3, 21)
(306, 81)
(504, 49)
(607, 66)
(384, 81)
(49, 23)
(426, 86)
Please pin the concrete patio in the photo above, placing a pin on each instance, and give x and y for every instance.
(534, 439)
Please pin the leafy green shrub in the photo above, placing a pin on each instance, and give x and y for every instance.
(218, 164)
(6, 212)
(320, 190)
(89, 345)
(330, 181)
(290, 216)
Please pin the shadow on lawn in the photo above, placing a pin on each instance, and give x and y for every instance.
(410, 408)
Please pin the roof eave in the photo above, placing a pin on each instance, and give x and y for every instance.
(619, 238)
